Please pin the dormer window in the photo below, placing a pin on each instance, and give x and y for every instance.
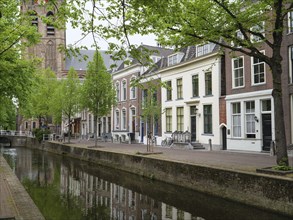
(260, 29)
(50, 27)
(155, 59)
(203, 49)
(174, 58)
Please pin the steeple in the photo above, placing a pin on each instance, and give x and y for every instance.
(51, 37)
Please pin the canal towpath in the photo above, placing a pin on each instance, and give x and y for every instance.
(15, 202)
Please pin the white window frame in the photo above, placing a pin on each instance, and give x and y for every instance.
(124, 90)
(233, 72)
(179, 88)
(123, 119)
(132, 91)
(258, 28)
(118, 93)
(117, 119)
(290, 22)
(252, 71)
(290, 63)
(239, 123)
(175, 58)
(250, 120)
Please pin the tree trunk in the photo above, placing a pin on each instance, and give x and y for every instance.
(69, 129)
(280, 133)
(95, 129)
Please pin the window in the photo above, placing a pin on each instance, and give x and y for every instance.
(118, 91)
(258, 29)
(249, 119)
(180, 119)
(236, 119)
(208, 124)
(195, 86)
(168, 119)
(50, 27)
(258, 71)
(133, 91)
(238, 70)
(144, 95)
(50, 59)
(124, 90)
(132, 119)
(169, 90)
(290, 64)
(124, 119)
(203, 49)
(266, 105)
(172, 60)
(290, 22)
(179, 89)
(175, 58)
(238, 37)
(208, 83)
(117, 121)
(34, 19)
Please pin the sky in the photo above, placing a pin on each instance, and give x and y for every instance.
(74, 35)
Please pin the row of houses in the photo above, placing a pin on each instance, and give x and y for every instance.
(222, 99)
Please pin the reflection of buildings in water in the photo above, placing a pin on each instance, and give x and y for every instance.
(127, 204)
(172, 213)
(39, 170)
(91, 191)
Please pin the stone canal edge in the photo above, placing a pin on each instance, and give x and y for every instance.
(15, 202)
(268, 192)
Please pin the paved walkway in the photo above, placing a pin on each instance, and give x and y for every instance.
(236, 160)
(15, 203)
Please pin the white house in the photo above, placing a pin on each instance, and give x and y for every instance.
(191, 99)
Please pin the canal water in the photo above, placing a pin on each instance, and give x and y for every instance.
(68, 189)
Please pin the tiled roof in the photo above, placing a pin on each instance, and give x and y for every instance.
(157, 51)
(78, 63)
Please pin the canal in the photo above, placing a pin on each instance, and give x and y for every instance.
(67, 189)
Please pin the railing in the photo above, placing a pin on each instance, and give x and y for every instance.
(181, 137)
(16, 133)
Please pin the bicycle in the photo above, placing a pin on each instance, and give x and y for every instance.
(167, 142)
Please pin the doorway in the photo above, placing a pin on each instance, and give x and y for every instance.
(266, 131)
(193, 128)
(224, 137)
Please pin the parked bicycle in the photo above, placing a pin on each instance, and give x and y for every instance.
(167, 142)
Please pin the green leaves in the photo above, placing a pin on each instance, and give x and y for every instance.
(98, 94)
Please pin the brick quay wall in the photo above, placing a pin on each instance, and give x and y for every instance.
(260, 190)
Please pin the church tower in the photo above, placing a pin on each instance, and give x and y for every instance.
(51, 37)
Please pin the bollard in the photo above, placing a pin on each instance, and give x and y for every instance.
(210, 143)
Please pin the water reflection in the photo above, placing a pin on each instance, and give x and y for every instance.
(64, 188)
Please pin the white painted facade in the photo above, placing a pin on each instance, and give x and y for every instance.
(198, 66)
(242, 140)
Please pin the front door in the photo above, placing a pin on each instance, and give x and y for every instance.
(193, 128)
(266, 131)
(224, 138)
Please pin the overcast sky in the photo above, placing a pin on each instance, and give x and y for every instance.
(74, 35)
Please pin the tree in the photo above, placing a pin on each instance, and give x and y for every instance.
(67, 98)
(184, 22)
(16, 73)
(98, 94)
(7, 114)
(39, 102)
